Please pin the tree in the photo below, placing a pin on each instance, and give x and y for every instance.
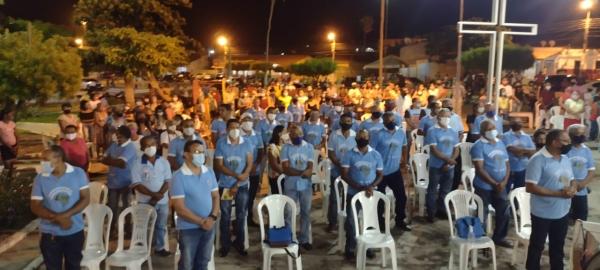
(47, 29)
(34, 67)
(314, 67)
(134, 53)
(516, 58)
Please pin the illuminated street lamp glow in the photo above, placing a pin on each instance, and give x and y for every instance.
(79, 42)
(331, 36)
(222, 41)
(586, 4)
(84, 22)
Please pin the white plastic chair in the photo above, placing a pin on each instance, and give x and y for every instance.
(98, 220)
(144, 218)
(426, 149)
(368, 234)
(420, 177)
(211, 263)
(98, 192)
(280, 187)
(557, 122)
(324, 174)
(522, 218)
(457, 206)
(390, 195)
(467, 179)
(340, 196)
(465, 155)
(417, 141)
(555, 110)
(276, 205)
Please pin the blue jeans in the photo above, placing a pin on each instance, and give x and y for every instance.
(435, 199)
(241, 210)
(579, 207)
(56, 248)
(516, 180)
(196, 248)
(500, 203)
(305, 199)
(160, 228)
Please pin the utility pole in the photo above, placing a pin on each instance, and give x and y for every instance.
(381, 34)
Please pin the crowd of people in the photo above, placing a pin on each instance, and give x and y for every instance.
(201, 157)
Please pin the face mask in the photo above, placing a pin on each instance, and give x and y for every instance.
(281, 109)
(68, 111)
(480, 110)
(198, 159)
(444, 121)
(390, 125)
(338, 108)
(271, 116)
(564, 149)
(376, 115)
(160, 113)
(247, 125)
(172, 128)
(297, 141)
(490, 114)
(491, 134)
(234, 133)
(189, 131)
(516, 127)
(539, 145)
(345, 126)
(285, 138)
(71, 136)
(360, 142)
(578, 139)
(548, 87)
(47, 167)
(449, 108)
(574, 96)
(417, 105)
(150, 151)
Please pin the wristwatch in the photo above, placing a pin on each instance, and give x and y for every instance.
(213, 217)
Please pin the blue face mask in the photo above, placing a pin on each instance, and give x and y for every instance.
(198, 159)
(297, 141)
(490, 114)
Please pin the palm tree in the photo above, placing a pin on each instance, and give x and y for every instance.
(268, 41)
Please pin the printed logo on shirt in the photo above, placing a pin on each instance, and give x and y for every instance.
(498, 157)
(364, 168)
(578, 163)
(299, 161)
(311, 136)
(446, 141)
(61, 195)
(233, 163)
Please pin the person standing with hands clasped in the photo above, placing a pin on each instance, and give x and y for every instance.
(233, 162)
(550, 180)
(362, 169)
(59, 194)
(583, 166)
(195, 198)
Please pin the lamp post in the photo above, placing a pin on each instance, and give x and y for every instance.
(224, 42)
(84, 25)
(459, 45)
(381, 35)
(587, 6)
(79, 42)
(331, 38)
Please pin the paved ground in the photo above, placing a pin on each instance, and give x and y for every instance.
(426, 247)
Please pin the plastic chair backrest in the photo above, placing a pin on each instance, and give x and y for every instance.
(464, 137)
(523, 216)
(460, 200)
(426, 149)
(276, 205)
(370, 220)
(280, 183)
(98, 219)
(98, 192)
(465, 155)
(143, 217)
(557, 122)
(467, 178)
(316, 154)
(418, 166)
(210, 154)
(417, 140)
(340, 196)
(555, 111)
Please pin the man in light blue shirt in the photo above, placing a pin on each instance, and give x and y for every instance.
(584, 167)
(119, 158)
(520, 147)
(443, 143)
(430, 120)
(373, 124)
(550, 180)
(340, 143)
(284, 117)
(297, 163)
(314, 131)
(266, 126)
(390, 142)
(296, 111)
(58, 196)
(218, 125)
(490, 113)
(233, 162)
(390, 106)
(335, 114)
(455, 120)
(258, 152)
(176, 146)
(362, 169)
(151, 175)
(195, 199)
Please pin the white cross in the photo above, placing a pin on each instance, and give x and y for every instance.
(498, 21)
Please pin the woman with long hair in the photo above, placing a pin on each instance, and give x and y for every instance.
(274, 150)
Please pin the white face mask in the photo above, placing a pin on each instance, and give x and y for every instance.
(172, 128)
(46, 167)
(285, 138)
(247, 126)
(480, 110)
(150, 151)
(491, 134)
(160, 113)
(234, 133)
(338, 108)
(189, 131)
(548, 87)
(71, 136)
(444, 121)
(271, 116)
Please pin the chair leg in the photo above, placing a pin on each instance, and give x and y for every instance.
(149, 262)
(299, 263)
(513, 259)
(290, 263)
(383, 259)
(493, 257)
(451, 259)
(394, 257)
(246, 240)
(474, 255)
(464, 259)
(266, 261)
(421, 204)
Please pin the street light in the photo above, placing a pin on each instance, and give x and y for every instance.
(331, 38)
(224, 42)
(587, 6)
(79, 42)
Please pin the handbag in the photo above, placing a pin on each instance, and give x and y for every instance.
(279, 237)
(465, 225)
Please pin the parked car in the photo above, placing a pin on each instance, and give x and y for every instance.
(90, 84)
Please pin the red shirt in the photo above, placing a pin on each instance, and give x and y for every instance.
(77, 152)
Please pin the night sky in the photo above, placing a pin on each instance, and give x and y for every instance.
(299, 22)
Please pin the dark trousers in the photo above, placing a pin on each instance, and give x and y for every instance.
(500, 203)
(396, 184)
(56, 248)
(254, 184)
(556, 231)
(274, 187)
(516, 180)
(457, 173)
(579, 207)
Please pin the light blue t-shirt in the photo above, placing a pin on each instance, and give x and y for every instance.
(284, 118)
(494, 157)
(510, 138)
(265, 128)
(117, 177)
(427, 122)
(547, 172)
(389, 144)
(340, 145)
(299, 157)
(313, 132)
(59, 195)
(256, 141)
(371, 126)
(397, 118)
(325, 109)
(296, 112)
(497, 120)
(582, 163)
(177, 145)
(219, 127)
(234, 158)
(456, 122)
(196, 191)
(151, 176)
(444, 140)
(362, 167)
